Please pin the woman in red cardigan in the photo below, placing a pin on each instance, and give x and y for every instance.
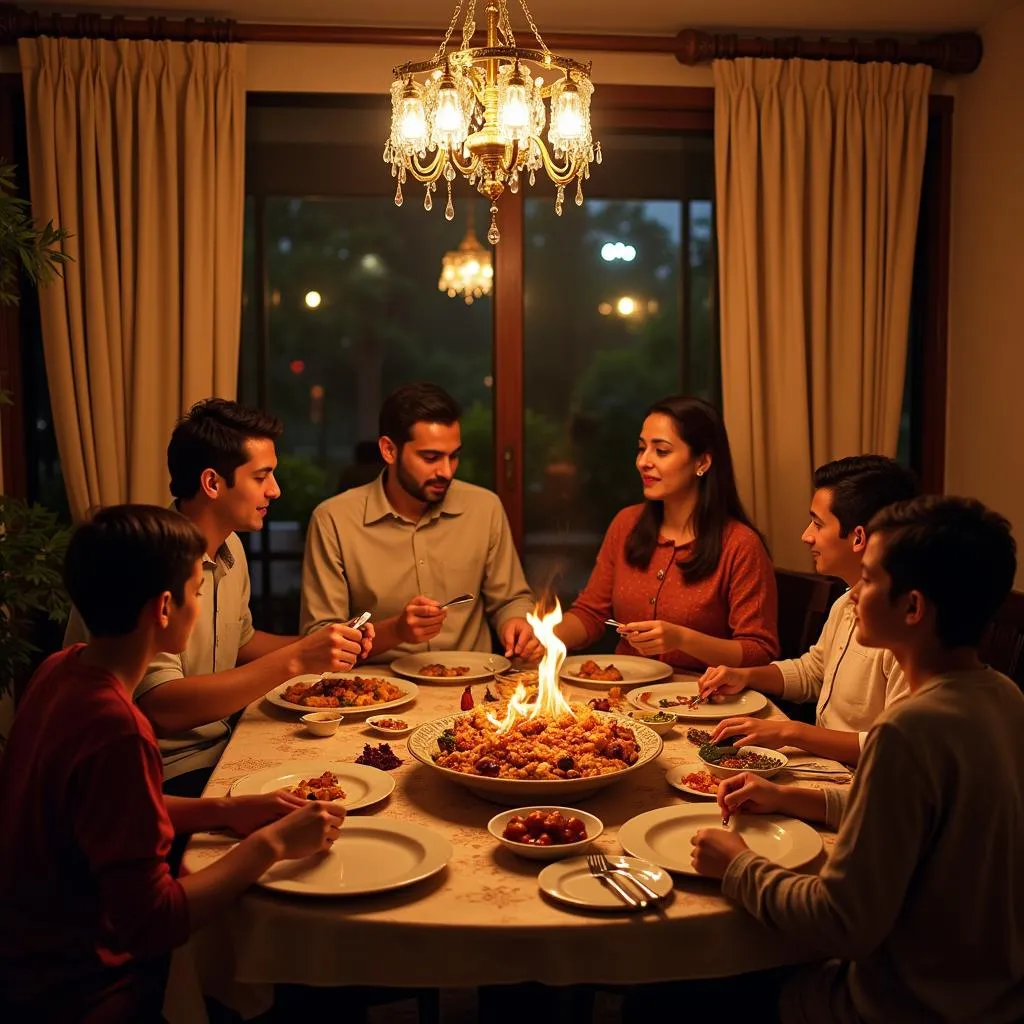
(686, 571)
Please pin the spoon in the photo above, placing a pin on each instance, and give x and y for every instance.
(461, 599)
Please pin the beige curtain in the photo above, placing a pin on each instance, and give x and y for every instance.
(818, 177)
(137, 148)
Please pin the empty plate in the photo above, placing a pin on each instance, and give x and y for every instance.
(570, 881)
(369, 855)
(663, 836)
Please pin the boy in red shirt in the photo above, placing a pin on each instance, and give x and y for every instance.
(89, 910)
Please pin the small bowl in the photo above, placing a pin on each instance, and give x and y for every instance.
(322, 723)
(374, 723)
(554, 852)
(766, 773)
(660, 721)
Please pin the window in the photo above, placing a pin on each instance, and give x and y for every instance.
(341, 306)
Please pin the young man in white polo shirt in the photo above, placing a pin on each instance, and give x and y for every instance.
(921, 901)
(852, 684)
(222, 458)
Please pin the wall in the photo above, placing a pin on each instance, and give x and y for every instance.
(984, 435)
(288, 67)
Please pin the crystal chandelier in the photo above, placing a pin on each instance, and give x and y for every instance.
(467, 271)
(481, 112)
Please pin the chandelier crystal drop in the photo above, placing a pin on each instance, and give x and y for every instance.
(494, 114)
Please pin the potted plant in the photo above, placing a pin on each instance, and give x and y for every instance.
(32, 540)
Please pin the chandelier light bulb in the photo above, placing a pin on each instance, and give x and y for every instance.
(449, 112)
(414, 121)
(568, 113)
(515, 112)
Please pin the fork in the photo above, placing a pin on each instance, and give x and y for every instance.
(461, 599)
(605, 875)
(606, 867)
(359, 621)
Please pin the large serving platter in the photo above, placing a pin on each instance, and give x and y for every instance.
(409, 691)
(519, 792)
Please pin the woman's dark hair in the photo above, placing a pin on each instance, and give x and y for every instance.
(960, 555)
(122, 558)
(213, 436)
(422, 402)
(700, 426)
(862, 485)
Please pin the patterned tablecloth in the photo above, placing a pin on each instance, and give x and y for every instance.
(483, 920)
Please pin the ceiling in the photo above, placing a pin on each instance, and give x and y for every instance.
(650, 17)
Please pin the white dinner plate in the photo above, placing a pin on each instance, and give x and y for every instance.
(480, 664)
(634, 670)
(409, 691)
(369, 855)
(747, 702)
(674, 777)
(363, 785)
(663, 836)
(570, 881)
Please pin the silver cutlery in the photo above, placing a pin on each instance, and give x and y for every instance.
(359, 621)
(605, 866)
(461, 599)
(615, 623)
(605, 876)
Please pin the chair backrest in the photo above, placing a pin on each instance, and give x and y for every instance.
(1003, 645)
(804, 602)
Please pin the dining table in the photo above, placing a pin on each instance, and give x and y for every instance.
(482, 920)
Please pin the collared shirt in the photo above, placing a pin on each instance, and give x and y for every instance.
(223, 625)
(361, 555)
(852, 684)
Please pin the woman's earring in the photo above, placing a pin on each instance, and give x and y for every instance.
(700, 472)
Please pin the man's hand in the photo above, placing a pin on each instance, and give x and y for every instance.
(310, 829)
(421, 620)
(366, 644)
(714, 849)
(335, 648)
(759, 732)
(245, 814)
(654, 637)
(721, 681)
(517, 636)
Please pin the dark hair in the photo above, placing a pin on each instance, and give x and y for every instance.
(957, 553)
(213, 436)
(862, 485)
(123, 557)
(422, 402)
(700, 426)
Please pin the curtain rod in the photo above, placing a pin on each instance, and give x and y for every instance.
(955, 53)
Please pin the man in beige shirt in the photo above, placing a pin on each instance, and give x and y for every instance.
(922, 898)
(221, 459)
(852, 684)
(413, 539)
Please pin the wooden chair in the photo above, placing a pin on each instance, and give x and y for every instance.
(1003, 644)
(804, 602)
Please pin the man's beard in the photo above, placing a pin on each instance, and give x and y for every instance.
(419, 491)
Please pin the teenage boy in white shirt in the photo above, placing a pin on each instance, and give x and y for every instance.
(852, 684)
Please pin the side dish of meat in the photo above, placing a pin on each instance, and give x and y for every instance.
(591, 670)
(702, 782)
(545, 829)
(444, 671)
(346, 692)
(324, 788)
